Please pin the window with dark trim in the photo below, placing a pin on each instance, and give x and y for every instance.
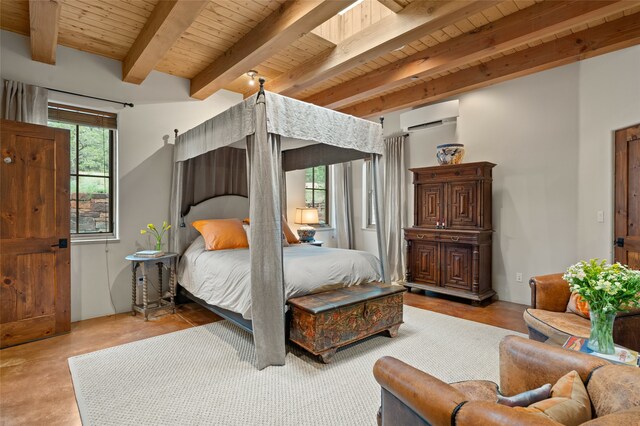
(316, 192)
(92, 149)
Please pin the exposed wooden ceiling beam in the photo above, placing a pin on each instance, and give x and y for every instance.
(417, 20)
(391, 5)
(610, 36)
(533, 23)
(44, 19)
(277, 31)
(169, 19)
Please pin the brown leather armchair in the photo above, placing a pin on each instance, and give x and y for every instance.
(547, 318)
(413, 397)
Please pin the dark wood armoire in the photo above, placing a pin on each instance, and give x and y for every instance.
(449, 245)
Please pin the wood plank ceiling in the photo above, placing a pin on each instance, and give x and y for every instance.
(378, 56)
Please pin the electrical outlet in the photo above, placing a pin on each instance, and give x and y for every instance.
(519, 277)
(600, 216)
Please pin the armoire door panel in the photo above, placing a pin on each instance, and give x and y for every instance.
(425, 262)
(456, 266)
(462, 205)
(429, 204)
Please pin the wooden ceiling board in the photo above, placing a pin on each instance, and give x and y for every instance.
(14, 16)
(110, 27)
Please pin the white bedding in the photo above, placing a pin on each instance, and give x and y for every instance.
(221, 277)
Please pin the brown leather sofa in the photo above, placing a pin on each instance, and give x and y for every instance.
(547, 318)
(413, 397)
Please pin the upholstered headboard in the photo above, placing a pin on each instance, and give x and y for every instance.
(223, 207)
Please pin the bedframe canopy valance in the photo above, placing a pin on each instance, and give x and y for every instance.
(273, 134)
(306, 130)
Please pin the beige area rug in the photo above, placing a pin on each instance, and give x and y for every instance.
(206, 375)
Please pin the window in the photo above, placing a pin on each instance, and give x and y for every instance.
(92, 149)
(316, 192)
(368, 200)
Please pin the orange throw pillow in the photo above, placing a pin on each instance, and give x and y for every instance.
(288, 233)
(222, 234)
(578, 305)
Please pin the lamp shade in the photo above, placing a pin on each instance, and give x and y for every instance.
(306, 215)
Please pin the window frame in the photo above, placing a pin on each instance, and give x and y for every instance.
(100, 117)
(368, 199)
(314, 190)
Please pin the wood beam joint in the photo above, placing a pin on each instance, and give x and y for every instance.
(44, 21)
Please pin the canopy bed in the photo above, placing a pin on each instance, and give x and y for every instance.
(244, 152)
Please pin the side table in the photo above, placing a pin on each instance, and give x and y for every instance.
(169, 261)
(317, 243)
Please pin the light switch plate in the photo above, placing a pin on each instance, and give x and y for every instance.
(600, 216)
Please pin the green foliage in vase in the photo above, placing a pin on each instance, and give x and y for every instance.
(607, 287)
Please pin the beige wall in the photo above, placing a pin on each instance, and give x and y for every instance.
(145, 153)
(550, 135)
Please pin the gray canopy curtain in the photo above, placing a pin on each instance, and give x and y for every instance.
(264, 155)
(24, 102)
(263, 127)
(395, 205)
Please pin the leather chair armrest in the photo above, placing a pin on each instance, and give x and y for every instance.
(482, 413)
(549, 292)
(527, 364)
(430, 398)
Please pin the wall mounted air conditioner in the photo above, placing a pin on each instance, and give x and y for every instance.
(429, 116)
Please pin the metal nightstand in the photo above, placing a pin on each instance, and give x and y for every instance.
(169, 261)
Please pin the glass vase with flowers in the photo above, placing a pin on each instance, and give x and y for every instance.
(608, 289)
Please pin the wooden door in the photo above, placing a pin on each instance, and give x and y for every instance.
(429, 204)
(34, 232)
(425, 262)
(462, 211)
(627, 196)
(456, 266)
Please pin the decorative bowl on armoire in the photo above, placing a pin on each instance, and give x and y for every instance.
(450, 153)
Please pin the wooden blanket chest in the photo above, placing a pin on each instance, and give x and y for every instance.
(323, 322)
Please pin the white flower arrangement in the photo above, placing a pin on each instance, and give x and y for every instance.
(606, 287)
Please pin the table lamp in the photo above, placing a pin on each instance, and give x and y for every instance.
(306, 216)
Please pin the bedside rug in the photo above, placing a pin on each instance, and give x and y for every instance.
(206, 375)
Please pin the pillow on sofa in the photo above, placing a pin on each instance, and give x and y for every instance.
(578, 305)
(527, 398)
(222, 234)
(569, 403)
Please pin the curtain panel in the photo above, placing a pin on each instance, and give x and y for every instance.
(24, 102)
(395, 205)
